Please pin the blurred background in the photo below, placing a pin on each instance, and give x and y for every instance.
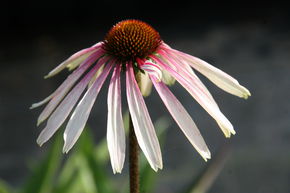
(249, 40)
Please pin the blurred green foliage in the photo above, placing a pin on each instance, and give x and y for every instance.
(85, 169)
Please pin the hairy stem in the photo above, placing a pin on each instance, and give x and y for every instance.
(133, 159)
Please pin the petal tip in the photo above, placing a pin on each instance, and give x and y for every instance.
(39, 121)
(33, 106)
(159, 166)
(39, 142)
(247, 95)
(155, 169)
(65, 149)
(117, 171)
(206, 155)
(156, 166)
(245, 92)
(47, 76)
(228, 136)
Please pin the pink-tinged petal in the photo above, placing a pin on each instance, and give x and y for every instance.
(187, 73)
(63, 110)
(200, 97)
(80, 115)
(144, 82)
(184, 69)
(165, 46)
(218, 77)
(62, 90)
(75, 60)
(152, 69)
(182, 118)
(96, 75)
(74, 64)
(143, 125)
(115, 129)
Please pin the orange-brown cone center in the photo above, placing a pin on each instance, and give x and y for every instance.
(131, 39)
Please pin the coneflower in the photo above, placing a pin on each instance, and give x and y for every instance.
(135, 49)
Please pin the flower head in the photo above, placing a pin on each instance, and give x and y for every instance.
(135, 48)
(131, 39)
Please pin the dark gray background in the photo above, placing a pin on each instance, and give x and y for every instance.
(249, 40)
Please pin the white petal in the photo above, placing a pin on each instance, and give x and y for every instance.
(167, 78)
(200, 96)
(218, 77)
(143, 125)
(38, 104)
(63, 110)
(74, 60)
(62, 90)
(144, 83)
(115, 127)
(80, 116)
(226, 131)
(182, 118)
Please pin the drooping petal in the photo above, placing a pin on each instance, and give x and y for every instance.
(218, 77)
(143, 125)
(80, 115)
(115, 129)
(152, 69)
(96, 75)
(63, 110)
(145, 83)
(200, 97)
(184, 69)
(167, 78)
(182, 118)
(74, 60)
(74, 64)
(62, 90)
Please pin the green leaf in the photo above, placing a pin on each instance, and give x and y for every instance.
(67, 181)
(102, 153)
(92, 168)
(4, 188)
(42, 178)
(86, 176)
(83, 171)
